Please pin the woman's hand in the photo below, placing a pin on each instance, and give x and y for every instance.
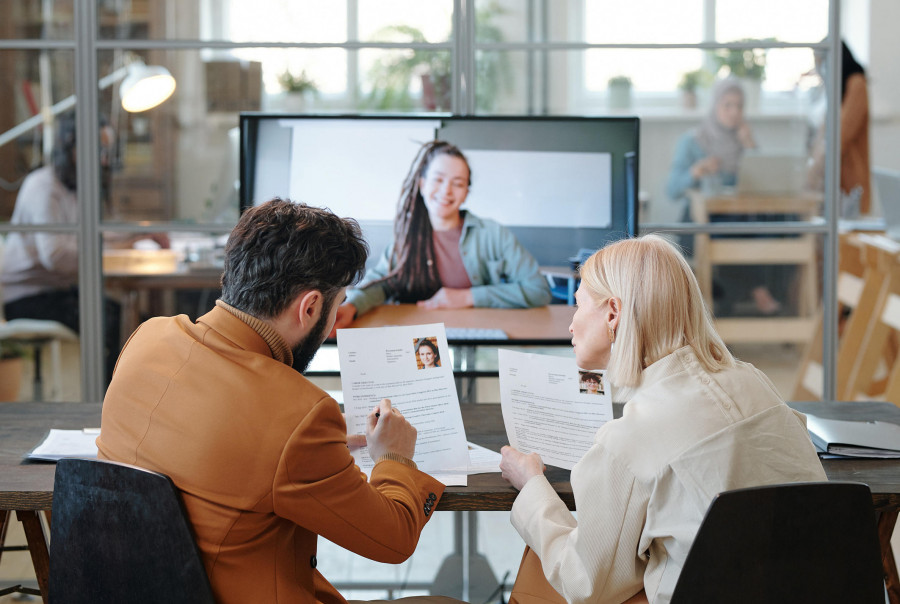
(518, 468)
(704, 167)
(745, 136)
(354, 441)
(346, 313)
(447, 297)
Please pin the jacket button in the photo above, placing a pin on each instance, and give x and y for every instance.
(432, 496)
(312, 561)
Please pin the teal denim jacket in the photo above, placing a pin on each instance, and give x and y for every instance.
(503, 273)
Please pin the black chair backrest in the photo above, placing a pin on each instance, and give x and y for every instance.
(120, 533)
(801, 542)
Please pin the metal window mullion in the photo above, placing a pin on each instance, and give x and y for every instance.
(132, 44)
(645, 46)
(462, 85)
(353, 83)
(90, 279)
(545, 60)
(469, 56)
(737, 228)
(832, 192)
(530, 59)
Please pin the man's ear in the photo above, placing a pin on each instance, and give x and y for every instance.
(308, 308)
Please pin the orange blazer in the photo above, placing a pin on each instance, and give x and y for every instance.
(260, 456)
(855, 170)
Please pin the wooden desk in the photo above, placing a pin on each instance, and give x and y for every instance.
(128, 288)
(27, 488)
(799, 250)
(543, 326)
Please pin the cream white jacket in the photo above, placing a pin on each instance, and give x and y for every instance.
(643, 488)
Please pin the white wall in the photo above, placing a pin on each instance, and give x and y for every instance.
(884, 81)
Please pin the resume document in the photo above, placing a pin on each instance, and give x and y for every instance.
(410, 365)
(550, 406)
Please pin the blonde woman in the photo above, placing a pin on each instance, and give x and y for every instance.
(696, 422)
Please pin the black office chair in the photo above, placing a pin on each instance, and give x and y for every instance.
(803, 542)
(120, 533)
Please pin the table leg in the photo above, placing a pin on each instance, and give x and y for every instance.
(465, 574)
(37, 545)
(886, 523)
(4, 523)
(464, 360)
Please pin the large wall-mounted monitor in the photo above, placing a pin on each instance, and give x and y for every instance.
(561, 184)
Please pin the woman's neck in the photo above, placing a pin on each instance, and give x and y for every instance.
(447, 224)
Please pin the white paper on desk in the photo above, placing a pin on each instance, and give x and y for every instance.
(59, 444)
(545, 408)
(482, 460)
(381, 362)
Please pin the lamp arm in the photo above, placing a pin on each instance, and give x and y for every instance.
(54, 110)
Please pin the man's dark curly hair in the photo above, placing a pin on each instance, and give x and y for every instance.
(281, 249)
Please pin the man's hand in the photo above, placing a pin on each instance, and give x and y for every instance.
(346, 312)
(387, 431)
(447, 297)
(518, 468)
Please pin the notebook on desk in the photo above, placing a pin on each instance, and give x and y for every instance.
(475, 333)
(854, 438)
(887, 183)
(771, 175)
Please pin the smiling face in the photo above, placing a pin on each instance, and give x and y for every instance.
(426, 355)
(592, 386)
(444, 189)
(589, 329)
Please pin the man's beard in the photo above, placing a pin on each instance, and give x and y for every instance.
(307, 348)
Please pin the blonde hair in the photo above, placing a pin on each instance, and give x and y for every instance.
(661, 310)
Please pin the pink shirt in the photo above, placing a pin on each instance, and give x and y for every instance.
(450, 265)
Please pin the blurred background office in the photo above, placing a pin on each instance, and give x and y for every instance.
(174, 167)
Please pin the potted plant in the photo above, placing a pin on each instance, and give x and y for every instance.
(392, 77)
(690, 82)
(11, 369)
(296, 90)
(746, 64)
(619, 89)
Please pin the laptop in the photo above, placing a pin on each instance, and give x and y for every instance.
(771, 174)
(887, 184)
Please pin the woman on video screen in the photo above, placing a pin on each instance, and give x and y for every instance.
(443, 256)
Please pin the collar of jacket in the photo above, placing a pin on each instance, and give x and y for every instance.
(277, 346)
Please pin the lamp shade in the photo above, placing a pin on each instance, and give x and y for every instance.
(145, 87)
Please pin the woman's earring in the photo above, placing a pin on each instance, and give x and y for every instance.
(612, 334)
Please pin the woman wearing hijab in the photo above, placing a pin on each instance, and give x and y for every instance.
(855, 170)
(712, 152)
(715, 148)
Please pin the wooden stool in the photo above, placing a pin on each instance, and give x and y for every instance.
(799, 251)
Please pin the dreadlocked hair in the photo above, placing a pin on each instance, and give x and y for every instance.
(415, 275)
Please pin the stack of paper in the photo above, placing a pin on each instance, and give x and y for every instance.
(854, 438)
(59, 444)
